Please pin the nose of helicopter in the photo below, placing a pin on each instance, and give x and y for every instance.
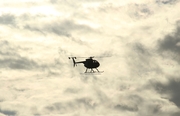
(96, 63)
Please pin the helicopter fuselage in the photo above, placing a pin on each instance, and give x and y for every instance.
(90, 63)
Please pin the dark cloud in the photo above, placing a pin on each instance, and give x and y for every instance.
(171, 44)
(176, 114)
(7, 19)
(126, 107)
(171, 89)
(166, 1)
(8, 112)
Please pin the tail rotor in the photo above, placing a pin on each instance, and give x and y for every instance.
(73, 59)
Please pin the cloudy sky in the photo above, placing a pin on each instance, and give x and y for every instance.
(141, 78)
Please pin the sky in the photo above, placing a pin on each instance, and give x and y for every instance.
(138, 40)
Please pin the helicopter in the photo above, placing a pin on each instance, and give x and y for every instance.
(89, 63)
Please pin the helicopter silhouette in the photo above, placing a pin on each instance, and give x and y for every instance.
(89, 63)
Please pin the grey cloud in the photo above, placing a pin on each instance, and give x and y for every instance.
(55, 106)
(134, 101)
(79, 103)
(11, 59)
(20, 63)
(141, 49)
(86, 102)
(75, 3)
(125, 107)
(176, 114)
(171, 43)
(166, 1)
(33, 29)
(8, 112)
(172, 89)
(53, 1)
(64, 28)
(101, 95)
(139, 11)
(59, 29)
(67, 26)
(140, 59)
(72, 90)
(7, 19)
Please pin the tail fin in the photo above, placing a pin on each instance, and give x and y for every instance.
(73, 59)
(74, 62)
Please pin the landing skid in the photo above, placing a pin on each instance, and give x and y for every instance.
(92, 72)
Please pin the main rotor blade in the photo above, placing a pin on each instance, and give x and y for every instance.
(101, 56)
(93, 57)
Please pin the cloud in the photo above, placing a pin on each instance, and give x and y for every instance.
(7, 19)
(60, 28)
(140, 60)
(20, 63)
(126, 108)
(11, 59)
(16, 57)
(170, 89)
(170, 43)
(176, 114)
(71, 106)
(41, 81)
(34, 29)
(141, 49)
(8, 112)
(140, 11)
(166, 1)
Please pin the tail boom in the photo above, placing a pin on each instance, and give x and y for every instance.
(74, 62)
